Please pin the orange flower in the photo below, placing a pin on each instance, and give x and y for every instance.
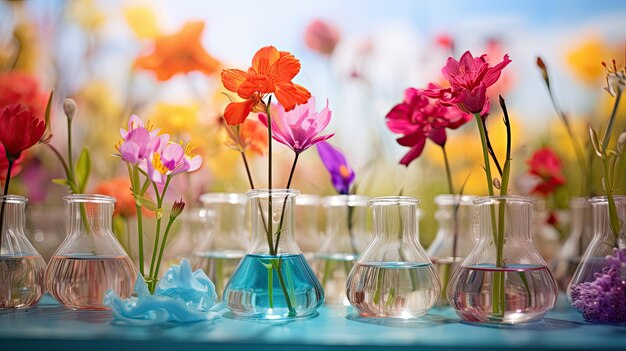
(119, 188)
(271, 72)
(250, 135)
(180, 52)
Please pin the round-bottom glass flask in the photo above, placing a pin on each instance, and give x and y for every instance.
(504, 279)
(90, 260)
(273, 280)
(21, 266)
(393, 278)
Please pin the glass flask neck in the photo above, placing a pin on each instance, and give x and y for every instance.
(395, 218)
(446, 217)
(345, 223)
(226, 222)
(13, 239)
(89, 213)
(273, 234)
(602, 222)
(503, 225)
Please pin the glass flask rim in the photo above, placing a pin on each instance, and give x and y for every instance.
(345, 200)
(92, 198)
(13, 199)
(492, 200)
(277, 192)
(579, 202)
(394, 200)
(223, 198)
(308, 200)
(453, 199)
(598, 200)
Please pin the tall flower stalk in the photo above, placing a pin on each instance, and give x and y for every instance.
(153, 157)
(616, 82)
(578, 149)
(291, 122)
(469, 79)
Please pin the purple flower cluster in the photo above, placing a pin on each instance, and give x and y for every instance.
(604, 300)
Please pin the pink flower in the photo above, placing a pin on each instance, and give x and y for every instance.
(169, 159)
(137, 141)
(321, 37)
(469, 79)
(299, 128)
(419, 118)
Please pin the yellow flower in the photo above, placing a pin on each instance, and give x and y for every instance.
(87, 14)
(177, 120)
(142, 20)
(585, 60)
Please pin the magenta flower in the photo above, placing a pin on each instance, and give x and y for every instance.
(469, 79)
(299, 128)
(419, 118)
(335, 162)
(137, 142)
(169, 159)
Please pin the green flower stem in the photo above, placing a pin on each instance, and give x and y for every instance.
(270, 285)
(133, 174)
(448, 172)
(277, 266)
(155, 246)
(282, 214)
(607, 174)
(269, 179)
(483, 140)
(158, 264)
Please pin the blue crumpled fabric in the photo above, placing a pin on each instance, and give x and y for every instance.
(181, 296)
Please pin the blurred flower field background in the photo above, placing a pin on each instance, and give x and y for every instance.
(162, 61)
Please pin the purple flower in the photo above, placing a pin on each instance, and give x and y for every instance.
(135, 145)
(335, 162)
(604, 299)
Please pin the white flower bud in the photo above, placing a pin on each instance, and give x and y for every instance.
(69, 108)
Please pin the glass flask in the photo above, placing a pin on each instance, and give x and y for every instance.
(580, 234)
(447, 251)
(226, 238)
(603, 242)
(345, 238)
(545, 237)
(504, 279)
(393, 278)
(21, 266)
(273, 280)
(90, 260)
(308, 234)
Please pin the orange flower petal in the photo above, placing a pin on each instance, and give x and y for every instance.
(264, 59)
(287, 67)
(232, 79)
(236, 112)
(289, 95)
(255, 83)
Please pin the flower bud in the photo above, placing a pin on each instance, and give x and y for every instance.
(496, 183)
(69, 108)
(177, 209)
(621, 143)
(544, 70)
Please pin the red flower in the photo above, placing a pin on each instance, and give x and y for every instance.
(4, 164)
(469, 79)
(22, 87)
(419, 118)
(20, 129)
(545, 165)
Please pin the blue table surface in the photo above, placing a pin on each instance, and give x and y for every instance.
(48, 326)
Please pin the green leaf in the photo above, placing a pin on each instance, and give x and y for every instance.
(145, 202)
(595, 142)
(62, 181)
(83, 168)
